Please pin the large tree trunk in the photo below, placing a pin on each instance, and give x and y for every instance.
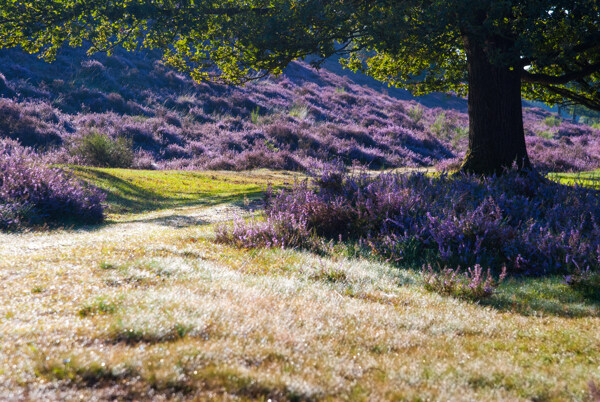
(496, 135)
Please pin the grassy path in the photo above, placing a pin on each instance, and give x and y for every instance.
(149, 307)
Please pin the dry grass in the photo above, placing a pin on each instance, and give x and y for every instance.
(151, 308)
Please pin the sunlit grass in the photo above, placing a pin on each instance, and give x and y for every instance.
(147, 308)
(133, 191)
(585, 179)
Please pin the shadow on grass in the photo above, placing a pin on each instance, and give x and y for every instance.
(177, 221)
(124, 196)
(543, 296)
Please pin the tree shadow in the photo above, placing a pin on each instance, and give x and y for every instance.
(250, 205)
(543, 296)
(177, 221)
(129, 197)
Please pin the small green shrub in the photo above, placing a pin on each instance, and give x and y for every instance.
(98, 306)
(448, 129)
(552, 121)
(100, 150)
(255, 115)
(329, 274)
(107, 265)
(548, 135)
(440, 127)
(461, 133)
(416, 113)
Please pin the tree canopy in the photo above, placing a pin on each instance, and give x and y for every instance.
(551, 46)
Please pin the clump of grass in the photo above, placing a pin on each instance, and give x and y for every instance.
(104, 265)
(472, 284)
(329, 273)
(299, 111)
(80, 370)
(416, 113)
(548, 135)
(131, 335)
(586, 282)
(98, 306)
(552, 121)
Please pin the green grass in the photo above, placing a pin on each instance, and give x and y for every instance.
(586, 179)
(549, 296)
(135, 191)
(139, 308)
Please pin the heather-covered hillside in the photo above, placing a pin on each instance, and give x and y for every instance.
(72, 108)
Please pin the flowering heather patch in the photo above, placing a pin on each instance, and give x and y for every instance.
(286, 122)
(32, 194)
(527, 225)
(283, 230)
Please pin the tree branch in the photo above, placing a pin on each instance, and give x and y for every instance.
(575, 97)
(548, 79)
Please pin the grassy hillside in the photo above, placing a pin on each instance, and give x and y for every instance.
(303, 119)
(154, 305)
(151, 307)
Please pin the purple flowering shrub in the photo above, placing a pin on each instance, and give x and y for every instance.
(282, 230)
(32, 194)
(527, 225)
(31, 123)
(472, 284)
(287, 122)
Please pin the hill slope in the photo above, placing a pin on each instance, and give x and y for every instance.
(301, 119)
(150, 307)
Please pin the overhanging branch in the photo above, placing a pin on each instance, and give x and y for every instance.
(589, 102)
(547, 79)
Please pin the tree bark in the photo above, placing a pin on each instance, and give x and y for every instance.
(496, 134)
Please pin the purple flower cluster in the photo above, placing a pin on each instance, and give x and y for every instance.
(278, 230)
(32, 194)
(290, 122)
(528, 225)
